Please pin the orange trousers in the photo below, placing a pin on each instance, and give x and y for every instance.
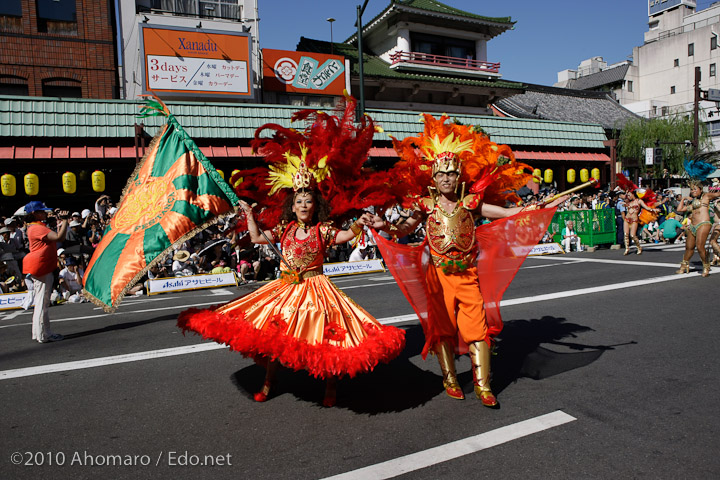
(456, 305)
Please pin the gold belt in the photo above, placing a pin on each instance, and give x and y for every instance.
(298, 277)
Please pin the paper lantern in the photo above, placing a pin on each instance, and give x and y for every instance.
(9, 185)
(548, 176)
(584, 175)
(222, 174)
(537, 175)
(595, 172)
(571, 175)
(69, 182)
(32, 184)
(98, 181)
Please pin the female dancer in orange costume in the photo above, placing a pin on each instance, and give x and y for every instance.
(301, 320)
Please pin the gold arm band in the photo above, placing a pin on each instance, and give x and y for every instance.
(356, 229)
(394, 231)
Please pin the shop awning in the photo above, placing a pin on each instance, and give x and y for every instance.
(19, 153)
(561, 156)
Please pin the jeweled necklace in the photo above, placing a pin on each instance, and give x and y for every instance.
(301, 224)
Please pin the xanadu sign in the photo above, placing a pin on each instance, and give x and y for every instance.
(187, 62)
(303, 72)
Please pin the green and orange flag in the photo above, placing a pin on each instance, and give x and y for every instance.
(173, 193)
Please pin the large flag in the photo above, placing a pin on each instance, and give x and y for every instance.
(173, 193)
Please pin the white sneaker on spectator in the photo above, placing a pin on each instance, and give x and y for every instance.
(55, 337)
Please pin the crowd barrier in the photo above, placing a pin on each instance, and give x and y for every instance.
(594, 227)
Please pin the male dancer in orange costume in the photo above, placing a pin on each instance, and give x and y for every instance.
(455, 304)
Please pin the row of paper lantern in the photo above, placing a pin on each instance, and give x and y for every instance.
(32, 183)
(547, 175)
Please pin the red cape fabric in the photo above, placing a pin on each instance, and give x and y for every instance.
(503, 246)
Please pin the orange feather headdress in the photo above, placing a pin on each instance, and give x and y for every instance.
(488, 168)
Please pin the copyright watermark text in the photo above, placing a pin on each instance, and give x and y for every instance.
(84, 458)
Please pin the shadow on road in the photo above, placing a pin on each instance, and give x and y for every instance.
(392, 387)
(120, 326)
(520, 353)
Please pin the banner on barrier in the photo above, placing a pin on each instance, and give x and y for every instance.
(192, 282)
(9, 301)
(349, 268)
(546, 249)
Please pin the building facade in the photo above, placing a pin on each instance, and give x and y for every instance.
(58, 48)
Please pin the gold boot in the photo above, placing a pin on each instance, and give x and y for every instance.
(446, 358)
(716, 256)
(480, 357)
(639, 247)
(627, 244)
(684, 267)
(706, 269)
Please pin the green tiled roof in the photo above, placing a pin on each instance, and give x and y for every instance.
(511, 131)
(434, 6)
(378, 68)
(108, 119)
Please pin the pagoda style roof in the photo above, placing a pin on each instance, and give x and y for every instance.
(420, 11)
(375, 66)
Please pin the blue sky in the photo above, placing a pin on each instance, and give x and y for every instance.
(549, 36)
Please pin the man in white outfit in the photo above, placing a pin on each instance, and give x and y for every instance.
(570, 237)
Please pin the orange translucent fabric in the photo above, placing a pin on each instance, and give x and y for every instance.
(503, 246)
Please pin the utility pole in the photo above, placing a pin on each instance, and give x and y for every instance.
(361, 97)
(696, 113)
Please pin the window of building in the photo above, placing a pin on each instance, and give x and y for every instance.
(230, 9)
(676, 62)
(61, 87)
(672, 90)
(11, 8)
(712, 69)
(56, 16)
(630, 85)
(13, 85)
(664, 111)
(714, 128)
(691, 49)
(713, 42)
(437, 45)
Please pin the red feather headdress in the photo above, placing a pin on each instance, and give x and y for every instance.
(332, 148)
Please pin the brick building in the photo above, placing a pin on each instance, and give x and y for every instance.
(58, 48)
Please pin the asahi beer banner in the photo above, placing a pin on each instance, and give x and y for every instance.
(192, 282)
(349, 268)
(303, 72)
(9, 301)
(546, 249)
(189, 62)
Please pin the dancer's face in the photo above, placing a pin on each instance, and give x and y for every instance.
(446, 183)
(695, 191)
(304, 207)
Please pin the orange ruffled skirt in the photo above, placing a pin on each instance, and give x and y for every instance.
(309, 326)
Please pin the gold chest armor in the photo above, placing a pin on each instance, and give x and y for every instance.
(451, 237)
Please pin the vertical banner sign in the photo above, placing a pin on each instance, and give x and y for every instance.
(303, 72)
(188, 62)
(648, 156)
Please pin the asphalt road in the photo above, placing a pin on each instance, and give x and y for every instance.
(606, 367)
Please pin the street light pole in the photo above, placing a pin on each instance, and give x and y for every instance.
(331, 20)
(361, 99)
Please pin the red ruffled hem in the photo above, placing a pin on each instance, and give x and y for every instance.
(382, 344)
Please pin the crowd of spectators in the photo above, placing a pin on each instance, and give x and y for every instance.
(222, 248)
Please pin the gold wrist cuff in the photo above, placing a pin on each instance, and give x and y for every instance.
(356, 229)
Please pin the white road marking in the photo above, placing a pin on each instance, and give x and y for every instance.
(98, 362)
(612, 262)
(459, 448)
(14, 314)
(221, 291)
(602, 288)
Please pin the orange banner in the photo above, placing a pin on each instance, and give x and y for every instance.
(303, 72)
(192, 62)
